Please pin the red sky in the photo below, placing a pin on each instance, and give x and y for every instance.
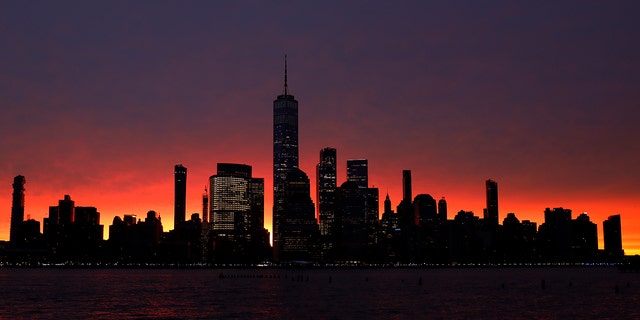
(100, 101)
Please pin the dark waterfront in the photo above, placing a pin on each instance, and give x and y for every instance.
(487, 293)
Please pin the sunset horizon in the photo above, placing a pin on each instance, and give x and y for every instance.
(101, 102)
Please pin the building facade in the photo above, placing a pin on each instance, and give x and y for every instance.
(358, 172)
(236, 214)
(299, 234)
(326, 172)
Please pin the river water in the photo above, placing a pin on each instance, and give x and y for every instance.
(483, 293)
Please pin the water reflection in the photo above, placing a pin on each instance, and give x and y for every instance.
(319, 294)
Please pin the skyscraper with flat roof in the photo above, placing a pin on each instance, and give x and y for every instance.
(406, 186)
(407, 247)
(358, 172)
(491, 212)
(237, 213)
(180, 193)
(285, 151)
(298, 226)
(613, 237)
(230, 200)
(326, 189)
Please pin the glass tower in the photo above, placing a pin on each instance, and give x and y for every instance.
(285, 151)
(357, 171)
(326, 188)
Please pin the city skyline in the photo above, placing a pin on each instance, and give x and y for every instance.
(456, 94)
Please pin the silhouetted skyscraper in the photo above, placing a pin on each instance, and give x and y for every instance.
(406, 247)
(387, 204)
(358, 172)
(442, 209)
(285, 150)
(205, 205)
(389, 225)
(373, 206)
(584, 238)
(613, 237)
(491, 213)
(351, 217)
(17, 209)
(554, 235)
(180, 203)
(326, 189)
(425, 210)
(406, 186)
(298, 227)
(66, 210)
(151, 231)
(73, 231)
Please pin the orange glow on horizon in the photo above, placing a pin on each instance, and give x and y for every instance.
(159, 197)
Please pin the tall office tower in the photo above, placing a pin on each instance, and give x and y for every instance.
(406, 186)
(351, 228)
(285, 150)
(405, 207)
(236, 210)
(326, 189)
(554, 235)
(613, 237)
(205, 205)
(372, 218)
(584, 238)
(152, 231)
(407, 246)
(298, 227)
(357, 171)
(442, 209)
(491, 212)
(230, 196)
(17, 209)
(256, 207)
(180, 202)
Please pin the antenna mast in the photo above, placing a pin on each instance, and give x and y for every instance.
(285, 76)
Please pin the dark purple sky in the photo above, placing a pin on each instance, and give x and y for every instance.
(100, 99)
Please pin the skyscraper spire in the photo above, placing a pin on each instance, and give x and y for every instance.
(285, 157)
(285, 76)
